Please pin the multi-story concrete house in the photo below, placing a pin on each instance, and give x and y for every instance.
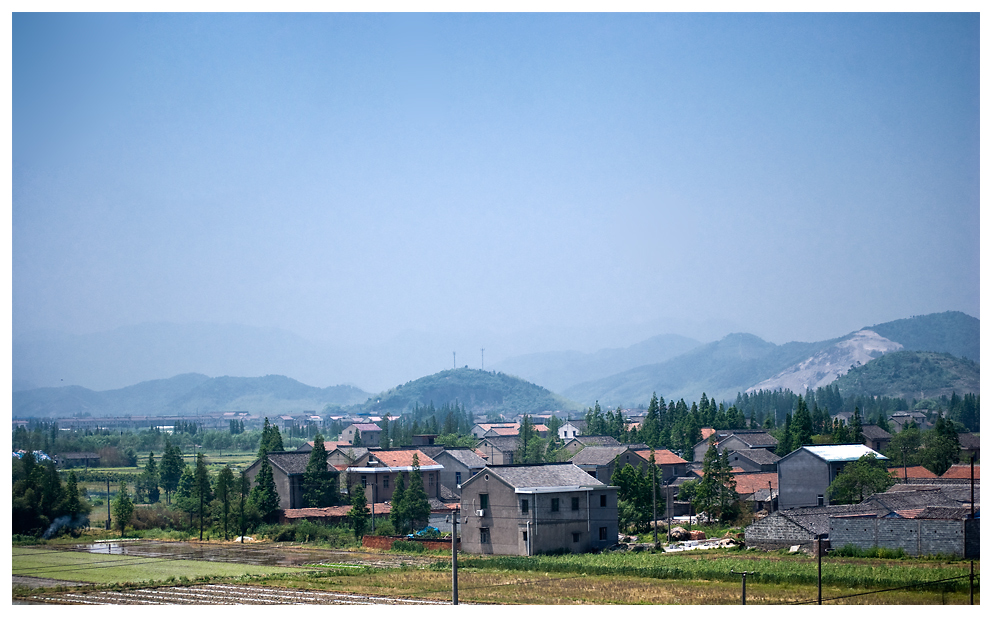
(368, 434)
(287, 472)
(525, 510)
(804, 474)
(735, 440)
(601, 461)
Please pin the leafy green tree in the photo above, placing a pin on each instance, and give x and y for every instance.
(171, 468)
(246, 512)
(123, 507)
(940, 447)
(72, 505)
(318, 482)
(264, 496)
(225, 491)
(634, 496)
(859, 480)
(358, 516)
(186, 494)
(384, 435)
(905, 446)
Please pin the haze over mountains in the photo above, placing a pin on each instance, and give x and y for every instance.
(670, 365)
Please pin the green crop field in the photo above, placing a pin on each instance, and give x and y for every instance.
(113, 568)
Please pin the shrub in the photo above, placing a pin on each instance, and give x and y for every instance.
(158, 516)
(852, 551)
(385, 528)
(407, 546)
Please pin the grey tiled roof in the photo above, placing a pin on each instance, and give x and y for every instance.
(600, 455)
(503, 443)
(431, 451)
(466, 457)
(875, 432)
(596, 440)
(901, 497)
(758, 455)
(815, 518)
(293, 462)
(543, 475)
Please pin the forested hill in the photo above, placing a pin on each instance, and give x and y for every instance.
(480, 391)
(953, 332)
(185, 394)
(911, 375)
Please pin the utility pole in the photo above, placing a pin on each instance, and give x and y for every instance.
(108, 503)
(455, 558)
(820, 552)
(655, 515)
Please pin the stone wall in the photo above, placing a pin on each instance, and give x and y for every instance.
(777, 532)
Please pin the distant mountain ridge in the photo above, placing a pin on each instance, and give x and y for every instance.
(912, 375)
(184, 394)
(739, 362)
(560, 370)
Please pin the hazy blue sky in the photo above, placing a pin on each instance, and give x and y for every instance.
(351, 177)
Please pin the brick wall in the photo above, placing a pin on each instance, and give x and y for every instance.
(386, 542)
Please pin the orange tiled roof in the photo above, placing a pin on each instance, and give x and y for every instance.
(663, 457)
(959, 471)
(706, 432)
(913, 472)
(481, 454)
(397, 459)
(751, 482)
(505, 431)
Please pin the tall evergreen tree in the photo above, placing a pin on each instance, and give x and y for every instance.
(359, 513)
(201, 488)
(264, 496)
(123, 507)
(150, 479)
(225, 491)
(416, 504)
(398, 513)
(801, 426)
(171, 468)
(318, 481)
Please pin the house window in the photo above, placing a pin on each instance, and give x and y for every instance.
(603, 533)
(458, 478)
(386, 482)
(603, 499)
(820, 500)
(524, 535)
(363, 481)
(575, 504)
(575, 537)
(484, 535)
(484, 501)
(524, 505)
(555, 505)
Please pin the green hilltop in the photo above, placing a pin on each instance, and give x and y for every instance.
(483, 392)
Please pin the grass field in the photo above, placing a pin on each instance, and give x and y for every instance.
(112, 568)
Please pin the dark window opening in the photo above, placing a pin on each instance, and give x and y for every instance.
(603, 533)
(555, 504)
(603, 499)
(484, 501)
(575, 504)
(575, 537)
(484, 535)
(524, 505)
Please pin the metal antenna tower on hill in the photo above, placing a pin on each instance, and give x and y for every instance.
(453, 360)
(482, 359)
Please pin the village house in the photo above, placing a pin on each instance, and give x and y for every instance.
(875, 437)
(754, 460)
(574, 445)
(287, 472)
(498, 451)
(571, 429)
(479, 431)
(668, 465)
(377, 472)
(368, 434)
(459, 465)
(601, 461)
(735, 440)
(806, 473)
(526, 510)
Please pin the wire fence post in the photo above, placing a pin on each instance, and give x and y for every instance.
(743, 574)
